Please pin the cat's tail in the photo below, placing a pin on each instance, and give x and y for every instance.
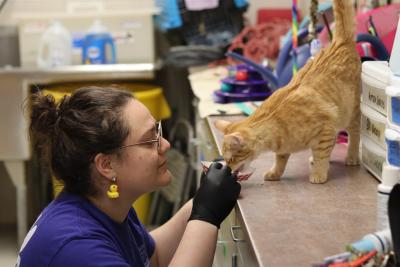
(344, 20)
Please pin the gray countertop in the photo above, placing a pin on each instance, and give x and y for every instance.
(292, 222)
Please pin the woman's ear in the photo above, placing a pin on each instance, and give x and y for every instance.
(222, 125)
(103, 165)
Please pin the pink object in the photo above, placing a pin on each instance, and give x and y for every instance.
(196, 5)
(271, 14)
(385, 20)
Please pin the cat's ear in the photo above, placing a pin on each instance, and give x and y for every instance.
(235, 140)
(221, 125)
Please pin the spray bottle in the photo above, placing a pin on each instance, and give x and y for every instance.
(380, 241)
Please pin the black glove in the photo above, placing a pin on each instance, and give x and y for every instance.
(216, 196)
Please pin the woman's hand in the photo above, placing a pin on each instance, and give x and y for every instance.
(216, 195)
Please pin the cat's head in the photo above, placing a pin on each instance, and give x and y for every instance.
(238, 147)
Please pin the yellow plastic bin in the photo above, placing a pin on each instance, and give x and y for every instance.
(152, 97)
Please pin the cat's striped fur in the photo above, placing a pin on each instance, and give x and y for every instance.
(322, 98)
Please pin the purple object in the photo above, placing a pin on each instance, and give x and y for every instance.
(255, 88)
(251, 72)
(228, 97)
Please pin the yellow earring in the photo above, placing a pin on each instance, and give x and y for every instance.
(113, 192)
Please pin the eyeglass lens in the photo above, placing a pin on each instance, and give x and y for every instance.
(159, 136)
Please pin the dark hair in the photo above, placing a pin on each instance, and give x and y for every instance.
(77, 128)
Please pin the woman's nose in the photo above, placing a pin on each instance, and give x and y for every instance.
(165, 145)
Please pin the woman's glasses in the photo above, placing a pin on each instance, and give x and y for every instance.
(158, 138)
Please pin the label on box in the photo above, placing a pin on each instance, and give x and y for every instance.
(373, 129)
(373, 161)
(375, 97)
(74, 7)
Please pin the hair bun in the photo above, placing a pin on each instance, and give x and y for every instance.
(63, 105)
(43, 114)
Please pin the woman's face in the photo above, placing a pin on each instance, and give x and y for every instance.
(141, 168)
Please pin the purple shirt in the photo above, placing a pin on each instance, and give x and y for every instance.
(73, 232)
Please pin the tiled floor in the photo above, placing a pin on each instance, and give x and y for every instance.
(8, 247)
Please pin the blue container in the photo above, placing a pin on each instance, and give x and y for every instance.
(170, 17)
(240, 3)
(392, 138)
(396, 110)
(95, 49)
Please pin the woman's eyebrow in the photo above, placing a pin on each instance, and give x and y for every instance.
(149, 131)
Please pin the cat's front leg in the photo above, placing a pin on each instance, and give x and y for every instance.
(279, 167)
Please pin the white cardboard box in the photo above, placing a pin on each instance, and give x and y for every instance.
(375, 77)
(132, 31)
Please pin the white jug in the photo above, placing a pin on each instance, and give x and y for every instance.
(55, 47)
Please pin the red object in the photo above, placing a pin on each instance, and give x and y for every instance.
(385, 19)
(241, 76)
(261, 41)
(271, 14)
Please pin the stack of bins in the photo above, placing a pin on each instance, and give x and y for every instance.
(151, 96)
(375, 78)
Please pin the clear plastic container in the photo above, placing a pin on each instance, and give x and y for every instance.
(55, 48)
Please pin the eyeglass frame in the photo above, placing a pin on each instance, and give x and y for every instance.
(158, 139)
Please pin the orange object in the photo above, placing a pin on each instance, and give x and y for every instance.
(356, 263)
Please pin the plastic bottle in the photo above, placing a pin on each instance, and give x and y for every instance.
(390, 177)
(55, 47)
(380, 241)
(394, 62)
(315, 47)
(95, 45)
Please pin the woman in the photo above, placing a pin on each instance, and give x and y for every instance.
(108, 150)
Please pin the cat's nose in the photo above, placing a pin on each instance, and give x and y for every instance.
(229, 162)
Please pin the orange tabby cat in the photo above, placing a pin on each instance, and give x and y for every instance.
(322, 98)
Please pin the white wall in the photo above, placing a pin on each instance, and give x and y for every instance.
(14, 8)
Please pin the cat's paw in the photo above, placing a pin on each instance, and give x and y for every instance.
(317, 178)
(352, 161)
(272, 175)
(311, 160)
